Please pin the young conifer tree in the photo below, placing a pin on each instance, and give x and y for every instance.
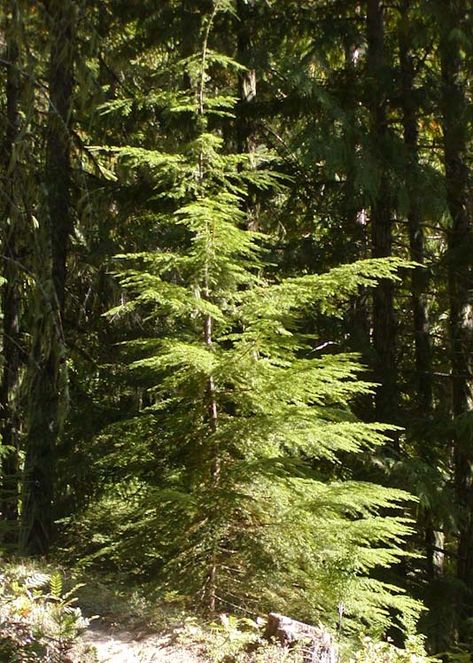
(250, 418)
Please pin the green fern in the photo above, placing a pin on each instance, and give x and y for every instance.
(37, 580)
(56, 585)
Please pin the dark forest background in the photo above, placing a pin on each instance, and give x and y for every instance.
(237, 316)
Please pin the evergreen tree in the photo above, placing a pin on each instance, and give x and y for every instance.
(253, 506)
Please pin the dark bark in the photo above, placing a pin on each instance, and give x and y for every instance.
(358, 248)
(47, 383)
(43, 428)
(460, 281)
(384, 324)
(246, 125)
(419, 278)
(246, 78)
(58, 162)
(11, 359)
(190, 31)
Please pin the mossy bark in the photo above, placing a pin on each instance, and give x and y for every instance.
(47, 397)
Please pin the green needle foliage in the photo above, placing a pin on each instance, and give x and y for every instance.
(253, 506)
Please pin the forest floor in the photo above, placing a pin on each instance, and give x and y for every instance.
(132, 625)
(117, 645)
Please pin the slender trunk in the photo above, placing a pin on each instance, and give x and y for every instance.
(247, 77)
(384, 325)
(245, 125)
(11, 288)
(435, 547)
(460, 281)
(357, 247)
(215, 465)
(419, 278)
(190, 24)
(47, 384)
(211, 400)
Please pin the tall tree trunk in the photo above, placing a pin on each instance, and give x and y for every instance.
(58, 167)
(11, 289)
(460, 279)
(47, 384)
(190, 26)
(419, 276)
(210, 398)
(215, 464)
(247, 77)
(384, 325)
(245, 123)
(357, 246)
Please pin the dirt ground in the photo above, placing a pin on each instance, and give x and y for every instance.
(116, 646)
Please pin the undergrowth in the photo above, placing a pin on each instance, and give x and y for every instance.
(226, 639)
(241, 640)
(40, 621)
(39, 618)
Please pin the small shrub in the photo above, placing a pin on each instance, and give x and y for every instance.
(236, 640)
(39, 620)
(373, 651)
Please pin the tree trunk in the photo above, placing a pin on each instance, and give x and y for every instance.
(317, 644)
(47, 383)
(58, 166)
(460, 281)
(358, 244)
(210, 400)
(245, 123)
(190, 24)
(246, 78)
(384, 325)
(214, 452)
(419, 278)
(11, 288)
